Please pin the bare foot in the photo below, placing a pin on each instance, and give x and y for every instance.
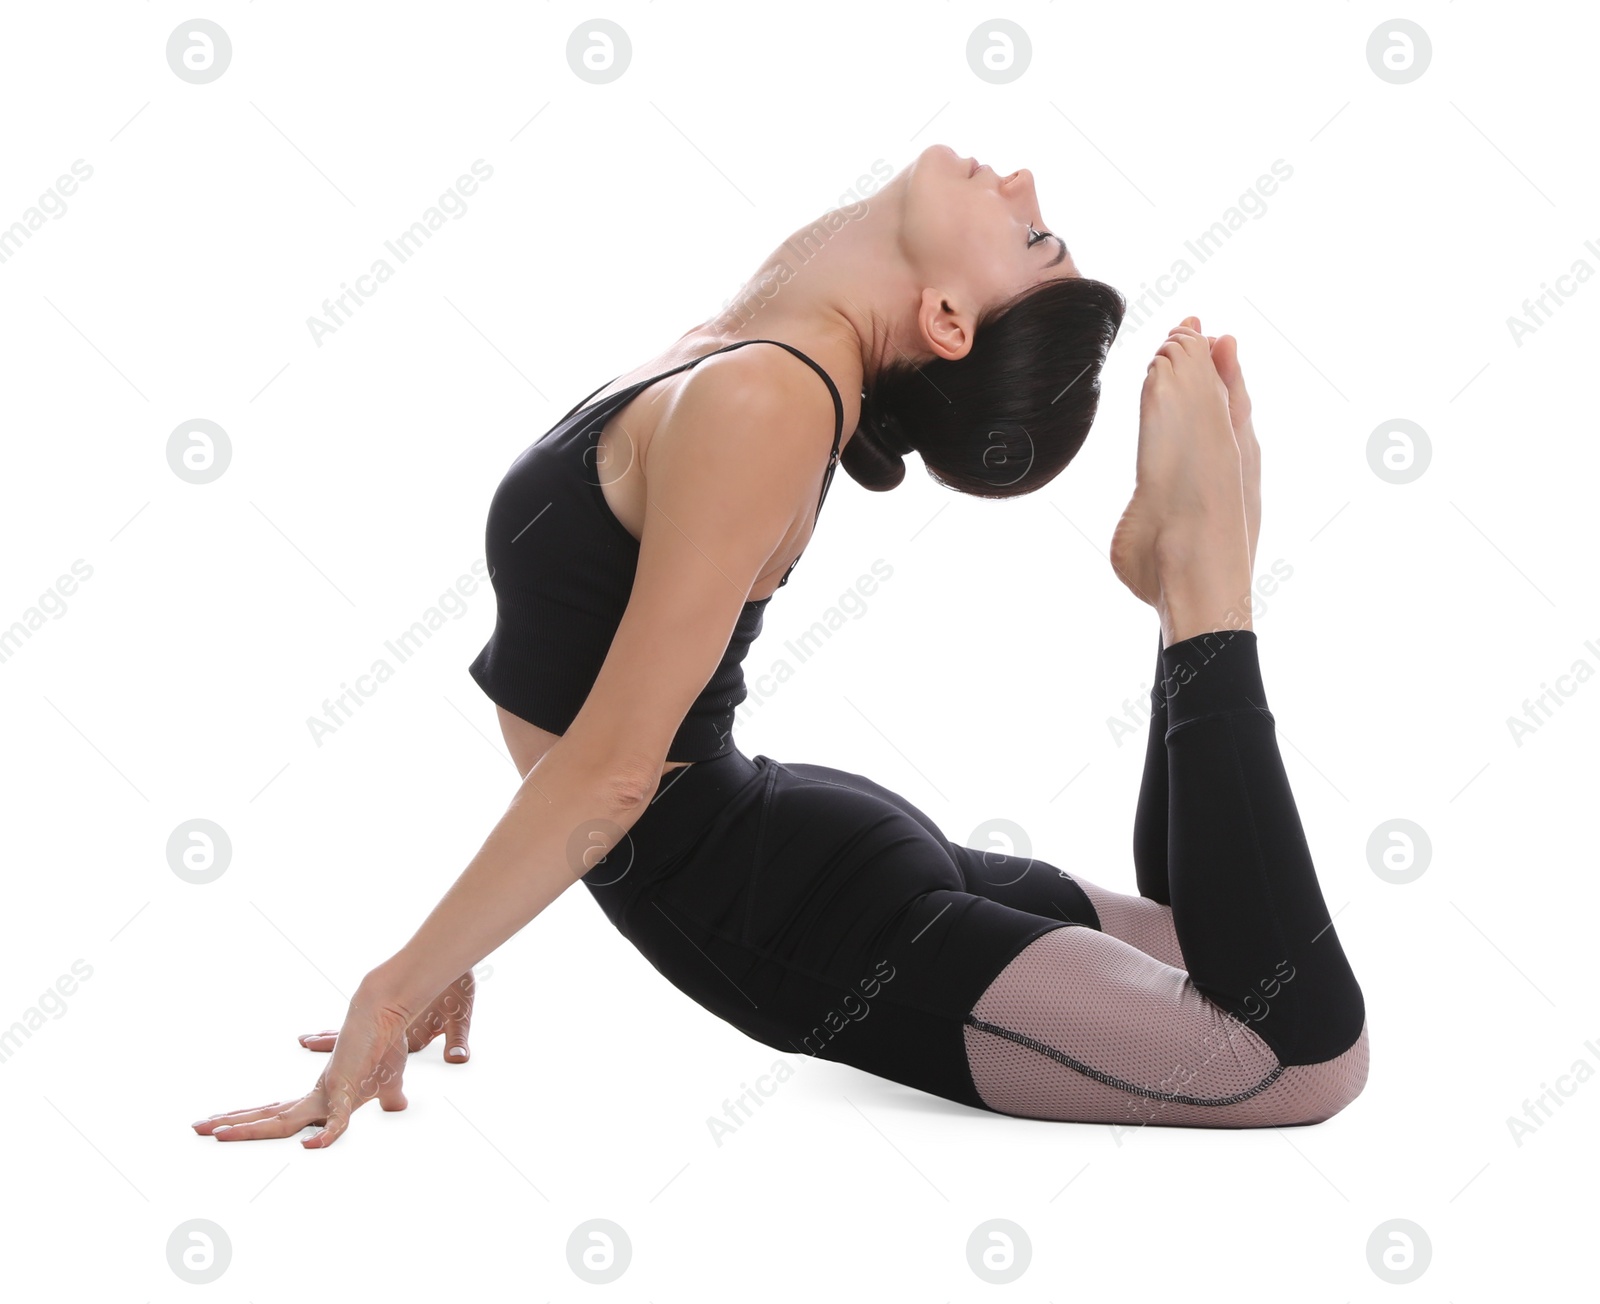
(1182, 544)
(1225, 357)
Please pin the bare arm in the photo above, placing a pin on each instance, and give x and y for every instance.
(564, 817)
(733, 466)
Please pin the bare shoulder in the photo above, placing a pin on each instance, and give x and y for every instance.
(761, 414)
(732, 471)
(765, 367)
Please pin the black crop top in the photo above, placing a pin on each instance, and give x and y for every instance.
(562, 566)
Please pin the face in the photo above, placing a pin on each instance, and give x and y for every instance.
(975, 234)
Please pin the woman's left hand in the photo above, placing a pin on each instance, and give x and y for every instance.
(449, 1013)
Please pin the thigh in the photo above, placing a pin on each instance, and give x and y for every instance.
(825, 919)
(1019, 881)
(1082, 1027)
(1031, 884)
(1027, 883)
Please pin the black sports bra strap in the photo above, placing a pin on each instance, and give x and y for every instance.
(838, 411)
(838, 416)
(833, 391)
(649, 380)
(583, 402)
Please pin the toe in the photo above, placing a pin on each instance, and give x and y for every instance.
(1225, 357)
(1225, 354)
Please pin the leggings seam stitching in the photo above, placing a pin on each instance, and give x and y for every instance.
(990, 980)
(1061, 1057)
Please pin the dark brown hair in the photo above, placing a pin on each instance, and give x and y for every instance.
(1007, 418)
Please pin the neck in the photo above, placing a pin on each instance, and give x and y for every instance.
(825, 287)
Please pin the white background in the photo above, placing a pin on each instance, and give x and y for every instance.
(978, 681)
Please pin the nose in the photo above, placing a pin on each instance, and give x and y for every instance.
(1018, 188)
(1020, 180)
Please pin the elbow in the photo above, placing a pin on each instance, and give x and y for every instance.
(628, 782)
(632, 786)
(627, 775)
(609, 793)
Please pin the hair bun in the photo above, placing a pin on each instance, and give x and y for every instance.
(891, 434)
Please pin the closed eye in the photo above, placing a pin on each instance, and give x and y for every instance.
(1034, 236)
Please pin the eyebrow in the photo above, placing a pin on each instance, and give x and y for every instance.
(1063, 252)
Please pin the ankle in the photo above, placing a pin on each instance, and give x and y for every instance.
(1202, 590)
(1176, 626)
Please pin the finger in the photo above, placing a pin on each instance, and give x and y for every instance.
(335, 1119)
(1192, 322)
(458, 1026)
(284, 1122)
(456, 1050)
(318, 1040)
(390, 1095)
(206, 1126)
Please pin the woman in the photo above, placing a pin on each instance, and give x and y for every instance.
(633, 550)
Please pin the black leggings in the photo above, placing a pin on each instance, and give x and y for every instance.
(821, 913)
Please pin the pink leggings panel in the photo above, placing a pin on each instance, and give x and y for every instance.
(1137, 920)
(1107, 1027)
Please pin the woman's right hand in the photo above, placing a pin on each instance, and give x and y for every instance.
(449, 1013)
(368, 1060)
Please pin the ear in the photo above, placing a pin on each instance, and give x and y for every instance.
(946, 325)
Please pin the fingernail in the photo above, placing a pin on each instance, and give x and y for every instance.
(457, 1052)
(223, 1128)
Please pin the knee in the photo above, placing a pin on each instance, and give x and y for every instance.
(1319, 1091)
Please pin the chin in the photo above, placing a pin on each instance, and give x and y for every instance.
(935, 157)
